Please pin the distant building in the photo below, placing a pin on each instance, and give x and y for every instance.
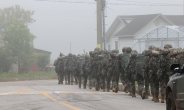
(35, 67)
(127, 30)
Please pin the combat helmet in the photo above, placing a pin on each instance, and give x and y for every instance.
(151, 47)
(134, 54)
(128, 50)
(61, 54)
(70, 55)
(124, 49)
(167, 46)
(97, 49)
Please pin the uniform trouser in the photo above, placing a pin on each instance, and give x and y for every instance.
(122, 76)
(85, 77)
(80, 80)
(66, 78)
(140, 80)
(115, 78)
(103, 77)
(147, 81)
(154, 83)
(109, 76)
(163, 78)
(91, 80)
(70, 76)
(128, 81)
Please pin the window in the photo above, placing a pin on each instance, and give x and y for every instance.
(116, 45)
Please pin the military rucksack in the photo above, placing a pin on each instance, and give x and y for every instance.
(140, 60)
(125, 60)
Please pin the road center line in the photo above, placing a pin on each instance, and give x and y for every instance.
(62, 103)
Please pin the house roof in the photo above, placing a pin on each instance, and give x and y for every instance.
(176, 19)
(139, 21)
(42, 51)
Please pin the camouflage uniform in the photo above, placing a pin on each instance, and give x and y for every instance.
(96, 68)
(71, 67)
(91, 76)
(105, 56)
(58, 69)
(87, 69)
(79, 69)
(140, 69)
(121, 63)
(164, 63)
(153, 64)
(125, 58)
(62, 63)
(131, 70)
(147, 54)
(114, 67)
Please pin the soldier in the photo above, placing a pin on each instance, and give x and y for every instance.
(96, 68)
(145, 93)
(125, 58)
(87, 69)
(122, 75)
(114, 66)
(80, 64)
(153, 64)
(140, 69)
(62, 63)
(132, 72)
(71, 67)
(105, 56)
(164, 63)
(57, 68)
(91, 75)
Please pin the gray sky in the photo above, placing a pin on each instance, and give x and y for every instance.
(57, 23)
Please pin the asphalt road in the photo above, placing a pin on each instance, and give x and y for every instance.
(48, 95)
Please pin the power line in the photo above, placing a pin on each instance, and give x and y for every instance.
(135, 3)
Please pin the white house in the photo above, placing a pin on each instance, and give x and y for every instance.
(126, 30)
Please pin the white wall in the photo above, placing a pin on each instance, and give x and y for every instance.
(150, 27)
(112, 39)
(125, 41)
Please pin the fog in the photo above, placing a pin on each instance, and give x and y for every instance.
(58, 23)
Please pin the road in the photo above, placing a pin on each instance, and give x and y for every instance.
(48, 95)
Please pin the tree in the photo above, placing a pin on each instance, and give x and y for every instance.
(18, 39)
(5, 59)
(42, 60)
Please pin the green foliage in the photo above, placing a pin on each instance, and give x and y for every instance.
(42, 60)
(5, 59)
(17, 36)
(28, 76)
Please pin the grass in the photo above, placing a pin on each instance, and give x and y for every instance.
(27, 76)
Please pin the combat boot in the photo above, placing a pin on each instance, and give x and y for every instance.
(90, 87)
(146, 96)
(108, 90)
(156, 99)
(130, 94)
(143, 94)
(133, 95)
(153, 98)
(162, 99)
(116, 89)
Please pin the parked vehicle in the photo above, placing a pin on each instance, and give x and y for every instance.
(175, 89)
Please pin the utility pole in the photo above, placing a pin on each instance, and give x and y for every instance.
(104, 35)
(99, 23)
